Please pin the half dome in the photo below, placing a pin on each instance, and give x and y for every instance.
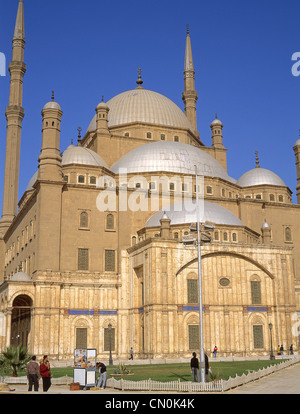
(174, 157)
(259, 176)
(186, 213)
(20, 277)
(83, 156)
(142, 105)
(75, 155)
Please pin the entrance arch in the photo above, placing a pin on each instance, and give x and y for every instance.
(21, 320)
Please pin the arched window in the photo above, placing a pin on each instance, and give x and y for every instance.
(110, 222)
(84, 219)
(288, 234)
(256, 292)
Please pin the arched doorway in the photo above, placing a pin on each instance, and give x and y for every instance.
(21, 320)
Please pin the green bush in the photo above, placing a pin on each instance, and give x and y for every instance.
(13, 360)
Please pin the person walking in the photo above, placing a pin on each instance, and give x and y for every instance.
(215, 351)
(281, 349)
(195, 368)
(291, 350)
(33, 374)
(131, 353)
(45, 373)
(103, 375)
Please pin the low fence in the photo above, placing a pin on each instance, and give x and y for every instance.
(23, 380)
(188, 386)
(173, 386)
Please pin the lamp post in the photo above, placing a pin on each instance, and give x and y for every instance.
(202, 355)
(203, 235)
(110, 355)
(271, 355)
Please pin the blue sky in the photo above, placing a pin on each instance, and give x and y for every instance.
(242, 53)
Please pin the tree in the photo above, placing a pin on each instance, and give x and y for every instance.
(14, 359)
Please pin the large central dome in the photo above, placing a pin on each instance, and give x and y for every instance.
(174, 157)
(142, 105)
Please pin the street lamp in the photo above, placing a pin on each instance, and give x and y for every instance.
(203, 235)
(271, 355)
(110, 332)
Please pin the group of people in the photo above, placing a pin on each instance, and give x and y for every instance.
(280, 350)
(37, 370)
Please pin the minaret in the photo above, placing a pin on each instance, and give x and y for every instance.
(102, 111)
(50, 159)
(14, 116)
(297, 156)
(217, 133)
(189, 95)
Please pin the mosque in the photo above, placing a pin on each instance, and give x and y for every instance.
(101, 252)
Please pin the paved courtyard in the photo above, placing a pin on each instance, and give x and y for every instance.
(285, 381)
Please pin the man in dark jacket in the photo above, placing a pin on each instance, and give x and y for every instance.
(103, 375)
(195, 368)
(33, 374)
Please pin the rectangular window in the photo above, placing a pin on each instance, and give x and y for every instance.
(255, 293)
(258, 337)
(194, 340)
(192, 288)
(81, 338)
(109, 339)
(83, 259)
(110, 258)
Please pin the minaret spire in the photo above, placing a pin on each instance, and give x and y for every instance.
(189, 95)
(14, 116)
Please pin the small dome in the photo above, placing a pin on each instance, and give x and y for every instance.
(81, 155)
(297, 143)
(174, 157)
(216, 122)
(75, 155)
(185, 213)
(20, 277)
(141, 105)
(266, 225)
(260, 176)
(32, 181)
(52, 105)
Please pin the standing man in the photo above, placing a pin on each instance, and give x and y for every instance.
(103, 375)
(131, 353)
(45, 373)
(195, 368)
(33, 374)
(215, 351)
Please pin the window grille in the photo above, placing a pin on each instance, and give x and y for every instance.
(109, 335)
(256, 292)
(84, 219)
(81, 338)
(110, 260)
(192, 287)
(258, 337)
(110, 222)
(194, 340)
(83, 259)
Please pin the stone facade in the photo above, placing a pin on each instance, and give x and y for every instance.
(75, 275)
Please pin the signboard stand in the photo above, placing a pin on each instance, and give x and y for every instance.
(85, 367)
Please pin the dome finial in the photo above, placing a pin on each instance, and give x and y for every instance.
(257, 160)
(139, 81)
(79, 129)
(187, 29)
(52, 97)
